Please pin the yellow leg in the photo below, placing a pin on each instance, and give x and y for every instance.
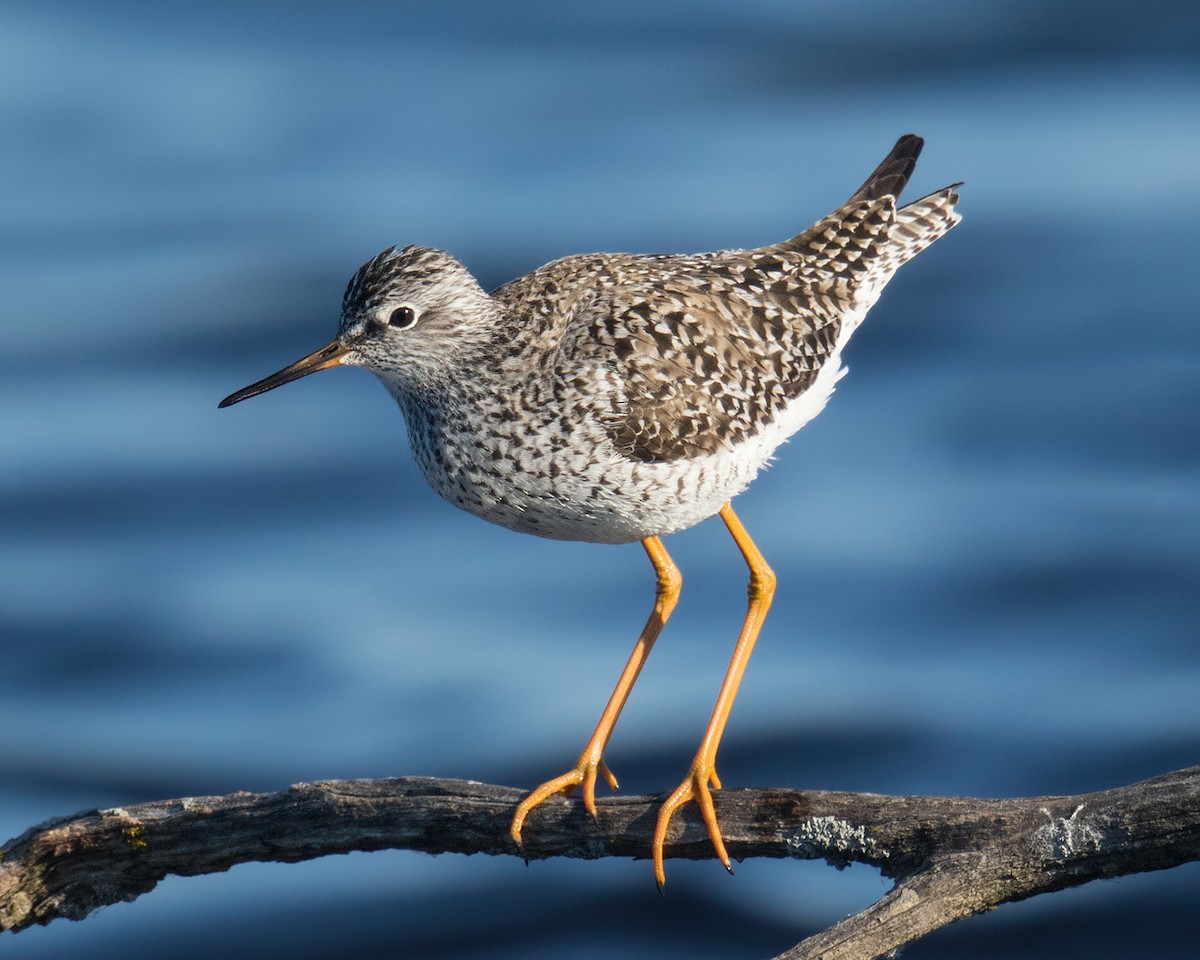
(695, 785)
(591, 760)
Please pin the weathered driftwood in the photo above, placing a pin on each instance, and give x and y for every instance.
(950, 856)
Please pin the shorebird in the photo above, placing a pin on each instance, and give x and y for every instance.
(614, 398)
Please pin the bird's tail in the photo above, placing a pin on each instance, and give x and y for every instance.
(891, 176)
(918, 224)
(915, 225)
(859, 246)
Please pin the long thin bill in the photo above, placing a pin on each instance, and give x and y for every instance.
(329, 355)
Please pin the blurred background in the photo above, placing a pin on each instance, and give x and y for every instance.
(988, 545)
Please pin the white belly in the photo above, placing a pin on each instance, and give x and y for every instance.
(584, 489)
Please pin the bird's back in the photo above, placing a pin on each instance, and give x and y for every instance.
(686, 356)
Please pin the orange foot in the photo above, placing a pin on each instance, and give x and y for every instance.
(694, 787)
(704, 766)
(584, 774)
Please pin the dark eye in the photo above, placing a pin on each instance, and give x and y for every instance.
(402, 318)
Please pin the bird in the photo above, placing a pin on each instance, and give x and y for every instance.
(614, 398)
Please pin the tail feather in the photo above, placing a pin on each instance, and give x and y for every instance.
(852, 253)
(919, 223)
(892, 174)
(878, 191)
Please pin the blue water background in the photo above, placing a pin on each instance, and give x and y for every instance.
(988, 545)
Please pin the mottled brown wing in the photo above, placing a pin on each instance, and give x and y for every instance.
(700, 356)
(681, 356)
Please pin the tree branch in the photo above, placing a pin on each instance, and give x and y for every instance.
(950, 856)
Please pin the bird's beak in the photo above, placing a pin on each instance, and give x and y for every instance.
(329, 355)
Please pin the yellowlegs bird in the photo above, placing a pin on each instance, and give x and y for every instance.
(621, 397)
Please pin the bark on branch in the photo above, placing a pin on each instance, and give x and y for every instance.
(950, 856)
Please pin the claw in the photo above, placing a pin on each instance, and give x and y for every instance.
(608, 776)
(695, 786)
(583, 775)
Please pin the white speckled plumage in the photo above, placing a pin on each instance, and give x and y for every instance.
(612, 397)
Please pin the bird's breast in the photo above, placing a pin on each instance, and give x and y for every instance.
(538, 469)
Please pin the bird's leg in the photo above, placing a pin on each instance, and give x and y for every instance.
(703, 772)
(591, 761)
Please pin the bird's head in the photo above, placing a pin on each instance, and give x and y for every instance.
(410, 316)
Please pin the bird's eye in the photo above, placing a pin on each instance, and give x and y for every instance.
(402, 318)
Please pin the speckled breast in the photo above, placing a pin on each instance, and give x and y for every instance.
(539, 468)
